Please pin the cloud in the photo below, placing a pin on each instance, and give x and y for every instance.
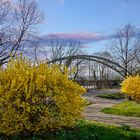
(82, 37)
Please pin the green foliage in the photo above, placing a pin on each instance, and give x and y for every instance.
(116, 96)
(125, 127)
(37, 98)
(89, 131)
(128, 108)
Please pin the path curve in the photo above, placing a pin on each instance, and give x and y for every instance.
(93, 112)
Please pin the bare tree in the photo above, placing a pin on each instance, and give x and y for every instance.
(17, 32)
(60, 48)
(4, 8)
(101, 72)
(125, 49)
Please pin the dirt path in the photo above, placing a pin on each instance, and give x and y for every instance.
(92, 112)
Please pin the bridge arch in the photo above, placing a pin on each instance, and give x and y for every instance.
(109, 63)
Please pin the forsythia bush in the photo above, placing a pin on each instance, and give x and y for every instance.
(131, 87)
(37, 98)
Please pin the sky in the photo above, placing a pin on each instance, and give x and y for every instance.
(93, 20)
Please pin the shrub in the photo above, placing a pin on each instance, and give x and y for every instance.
(125, 127)
(131, 87)
(37, 98)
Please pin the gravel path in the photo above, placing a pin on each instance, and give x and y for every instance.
(93, 112)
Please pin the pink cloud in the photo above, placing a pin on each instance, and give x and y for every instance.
(84, 37)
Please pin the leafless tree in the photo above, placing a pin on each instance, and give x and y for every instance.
(125, 49)
(17, 31)
(60, 48)
(101, 72)
(4, 8)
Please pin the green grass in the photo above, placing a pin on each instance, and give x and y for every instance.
(116, 96)
(127, 108)
(89, 131)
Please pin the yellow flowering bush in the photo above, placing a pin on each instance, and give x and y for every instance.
(37, 98)
(131, 87)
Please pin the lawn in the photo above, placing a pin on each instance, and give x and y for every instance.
(89, 131)
(116, 96)
(127, 108)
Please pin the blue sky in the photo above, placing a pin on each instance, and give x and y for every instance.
(91, 17)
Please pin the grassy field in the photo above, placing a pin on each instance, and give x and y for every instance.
(116, 96)
(128, 108)
(88, 131)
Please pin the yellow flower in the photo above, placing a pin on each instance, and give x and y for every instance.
(131, 87)
(37, 98)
